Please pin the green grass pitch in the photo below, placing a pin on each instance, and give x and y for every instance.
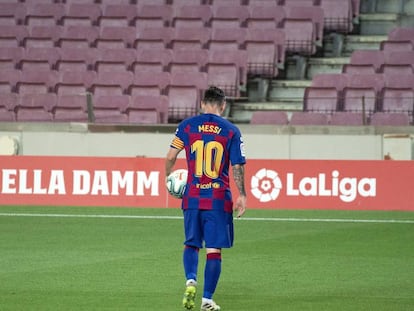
(282, 260)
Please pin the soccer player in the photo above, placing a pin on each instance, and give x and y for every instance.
(211, 144)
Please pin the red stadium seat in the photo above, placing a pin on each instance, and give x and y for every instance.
(141, 109)
(184, 94)
(226, 39)
(152, 60)
(9, 79)
(12, 36)
(81, 14)
(112, 83)
(192, 16)
(36, 81)
(263, 3)
(229, 16)
(338, 15)
(153, 15)
(390, 119)
(308, 118)
(188, 60)
(111, 109)
(35, 107)
(12, 55)
(116, 37)
(149, 83)
(72, 59)
(153, 38)
(14, 10)
(8, 102)
(78, 36)
(190, 38)
(345, 118)
(396, 45)
(321, 99)
(269, 117)
(44, 14)
(402, 33)
(118, 15)
(71, 108)
(265, 17)
(74, 83)
(368, 57)
(114, 59)
(39, 58)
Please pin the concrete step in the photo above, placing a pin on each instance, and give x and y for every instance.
(356, 42)
(288, 91)
(325, 65)
(378, 23)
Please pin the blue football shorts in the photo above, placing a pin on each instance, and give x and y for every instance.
(214, 228)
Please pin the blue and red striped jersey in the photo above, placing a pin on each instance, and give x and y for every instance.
(211, 144)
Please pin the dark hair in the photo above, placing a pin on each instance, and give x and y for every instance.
(214, 95)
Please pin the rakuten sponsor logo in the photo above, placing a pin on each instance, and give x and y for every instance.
(266, 186)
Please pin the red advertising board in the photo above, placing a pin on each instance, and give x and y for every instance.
(139, 182)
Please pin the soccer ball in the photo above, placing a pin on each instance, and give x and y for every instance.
(176, 182)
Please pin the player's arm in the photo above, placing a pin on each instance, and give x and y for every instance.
(170, 160)
(238, 176)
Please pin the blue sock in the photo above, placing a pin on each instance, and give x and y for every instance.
(211, 274)
(190, 260)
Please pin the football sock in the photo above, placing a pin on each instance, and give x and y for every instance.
(211, 274)
(190, 260)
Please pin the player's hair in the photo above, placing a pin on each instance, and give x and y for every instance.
(214, 95)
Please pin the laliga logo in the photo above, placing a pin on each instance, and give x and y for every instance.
(266, 185)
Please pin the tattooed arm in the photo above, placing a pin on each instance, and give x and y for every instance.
(238, 176)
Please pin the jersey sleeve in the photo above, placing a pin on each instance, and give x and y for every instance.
(177, 141)
(237, 153)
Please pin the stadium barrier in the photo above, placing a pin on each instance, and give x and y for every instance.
(271, 184)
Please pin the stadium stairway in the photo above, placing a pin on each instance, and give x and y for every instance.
(371, 26)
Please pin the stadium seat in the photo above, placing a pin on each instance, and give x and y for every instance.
(338, 81)
(36, 81)
(12, 36)
(338, 15)
(39, 58)
(346, 118)
(149, 83)
(11, 56)
(111, 108)
(116, 37)
(269, 117)
(81, 14)
(35, 107)
(112, 83)
(396, 45)
(44, 14)
(78, 36)
(114, 59)
(153, 38)
(74, 83)
(390, 119)
(13, 10)
(308, 118)
(403, 69)
(153, 15)
(356, 4)
(226, 39)
(402, 33)
(152, 60)
(192, 16)
(147, 2)
(226, 2)
(399, 58)
(43, 36)
(265, 17)
(184, 93)
(9, 79)
(180, 3)
(190, 38)
(368, 57)
(148, 110)
(229, 16)
(118, 15)
(73, 59)
(123, 2)
(263, 3)
(188, 60)
(359, 69)
(321, 99)
(70, 108)
(227, 70)
(265, 50)
(8, 102)
(398, 93)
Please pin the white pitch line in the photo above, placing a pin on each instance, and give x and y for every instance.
(287, 219)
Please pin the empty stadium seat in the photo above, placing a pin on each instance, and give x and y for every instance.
(12, 36)
(396, 45)
(398, 93)
(78, 36)
(116, 37)
(43, 36)
(308, 118)
(152, 60)
(44, 14)
(265, 17)
(269, 117)
(321, 99)
(36, 81)
(190, 38)
(263, 3)
(148, 110)
(153, 38)
(148, 83)
(228, 16)
(338, 81)
(39, 58)
(76, 59)
(111, 108)
(359, 69)
(399, 58)
(390, 119)
(112, 83)
(11, 56)
(81, 14)
(14, 11)
(188, 60)
(338, 15)
(265, 50)
(346, 118)
(153, 15)
(114, 59)
(9, 79)
(184, 93)
(226, 39)
(403, 69)
(368, 57)
(35, 107)
(118, 15)
(402, 33)
(70, 108)
(192, 16)
(8, 102)
(74, 83)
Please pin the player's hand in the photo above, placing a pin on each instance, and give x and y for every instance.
(240, 205)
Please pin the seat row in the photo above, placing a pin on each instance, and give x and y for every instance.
(339, 118)
(113, 109)
(336, 14)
